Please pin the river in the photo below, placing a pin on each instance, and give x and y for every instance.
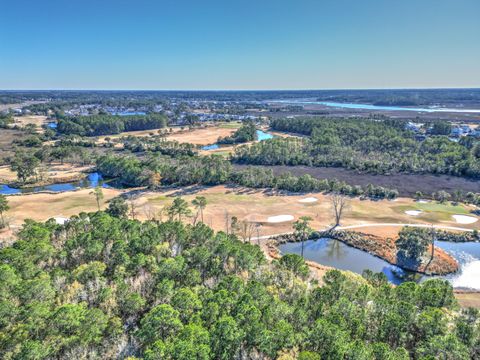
(336, 254)
(376, 107)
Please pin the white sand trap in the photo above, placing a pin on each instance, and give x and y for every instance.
(413, 212)
(60, 220)
(423, 201)
(463, 219)
(280, 218)
(308, 200)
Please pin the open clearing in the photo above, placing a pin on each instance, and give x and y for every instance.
(198, 136)
(258, 205)
(43, 206)
(202, 136)
(255, 206)
(37, 120)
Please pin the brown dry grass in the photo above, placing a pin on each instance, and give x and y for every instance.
(258, 205)
(468, 299)
(37, 120)
(201, 136)
(41, 207)
(197, 136)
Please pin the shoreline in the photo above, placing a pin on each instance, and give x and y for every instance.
(442, 264)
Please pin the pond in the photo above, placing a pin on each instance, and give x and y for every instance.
(336, 254)
(92, 180)
(261, 136)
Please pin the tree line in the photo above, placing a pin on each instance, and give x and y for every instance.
(214, 170)
(246, 133)
(95, 125)
(377, 145)
(109, 287)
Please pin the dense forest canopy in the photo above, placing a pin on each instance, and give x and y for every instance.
(214, 170)
(104, 124)
(379, 146)
(384, 97)
(104, 287)
(246, 133)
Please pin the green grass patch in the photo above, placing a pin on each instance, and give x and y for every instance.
(230, 125)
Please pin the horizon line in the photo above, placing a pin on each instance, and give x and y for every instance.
(249, 90)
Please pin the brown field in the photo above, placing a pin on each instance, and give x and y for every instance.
(37, 120)
(258, 205)
(197, 136)
(43, 206)
(202, 136)
(468, 299)
(250, 205)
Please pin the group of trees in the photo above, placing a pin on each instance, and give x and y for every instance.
(246, 133)
(108, 287)
(159, 145)
(94, 125)
(379, 146)
(214, 170)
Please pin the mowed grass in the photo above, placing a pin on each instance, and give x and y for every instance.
(230, 125)
(434, 211)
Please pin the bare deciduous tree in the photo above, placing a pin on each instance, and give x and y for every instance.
(339, 205)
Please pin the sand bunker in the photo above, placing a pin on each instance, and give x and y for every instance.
(60, 220)
(308, 200)
(413, 212)
(280, 218)
(463, 219)
(423, 201)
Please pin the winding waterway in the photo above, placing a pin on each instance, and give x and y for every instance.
(377, 107)
(92, 180)
(336, 254)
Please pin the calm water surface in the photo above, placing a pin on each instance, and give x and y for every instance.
(339, 255)
(377, 107)
(92, 180)
(261, 136)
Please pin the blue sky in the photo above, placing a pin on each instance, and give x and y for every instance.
(239, 44)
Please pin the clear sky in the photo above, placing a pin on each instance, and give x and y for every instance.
(239, 44)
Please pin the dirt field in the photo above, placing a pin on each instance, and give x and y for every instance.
(407, 185)
(42, 207)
